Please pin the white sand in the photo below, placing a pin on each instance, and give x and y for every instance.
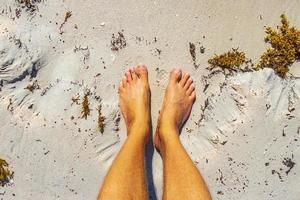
(250, 125)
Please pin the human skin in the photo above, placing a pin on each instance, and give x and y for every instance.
(126, 177)
(182, 180)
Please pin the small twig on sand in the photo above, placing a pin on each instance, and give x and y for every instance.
(67, 16)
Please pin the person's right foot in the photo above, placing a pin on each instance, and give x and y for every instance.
(178, 101)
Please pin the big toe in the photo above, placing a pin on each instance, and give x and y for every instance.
(175, 75)
(142, 72)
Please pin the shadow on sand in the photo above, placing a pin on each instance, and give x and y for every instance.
(149, 159)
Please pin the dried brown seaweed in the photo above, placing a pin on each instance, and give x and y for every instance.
(101, 119)
(67, 16)
(5, 173)
(118, 42)
(75, 100)
(85, 106)
(231, 60)
(117, 119)
(32, 87)
(29, 5)
(285, 48)
(193, 51)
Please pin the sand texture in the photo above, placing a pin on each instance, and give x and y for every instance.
(244, 130)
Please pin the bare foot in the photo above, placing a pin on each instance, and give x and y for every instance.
(178, 101)
(134, 94)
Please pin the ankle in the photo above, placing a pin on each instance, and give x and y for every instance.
(167, 141)
(139, 130)
(138, 121)
(167, 133)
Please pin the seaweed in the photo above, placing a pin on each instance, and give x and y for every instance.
(193, 51)
(101, 119)
(117, 119)
(284, 50)
(32, 87)
(193, 54)
(118, 42)
(5, 173)
(85, 106)
(67, 16)
(231, 60)
(28, 5)
(289, 163)
(75, 100)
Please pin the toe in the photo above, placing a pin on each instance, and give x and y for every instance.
(124, 81)
(188, 83)
(191, 89)
(193, 96)
(133, 74)
(175, 75)
(128, 76)
(142, 72)
(121, 87)
(184, 79)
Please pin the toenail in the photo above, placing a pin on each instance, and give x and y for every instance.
(178, 71)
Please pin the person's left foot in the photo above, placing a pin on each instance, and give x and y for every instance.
(134, 94)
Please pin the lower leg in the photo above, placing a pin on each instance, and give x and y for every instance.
(182, 180)
(126, 177)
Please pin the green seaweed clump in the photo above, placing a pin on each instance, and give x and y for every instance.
(5, 173)
(85, 107)
(285, 48)
(231, 60)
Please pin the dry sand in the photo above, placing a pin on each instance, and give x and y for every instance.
(244, 130)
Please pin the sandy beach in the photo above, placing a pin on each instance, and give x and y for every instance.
(244, 130)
